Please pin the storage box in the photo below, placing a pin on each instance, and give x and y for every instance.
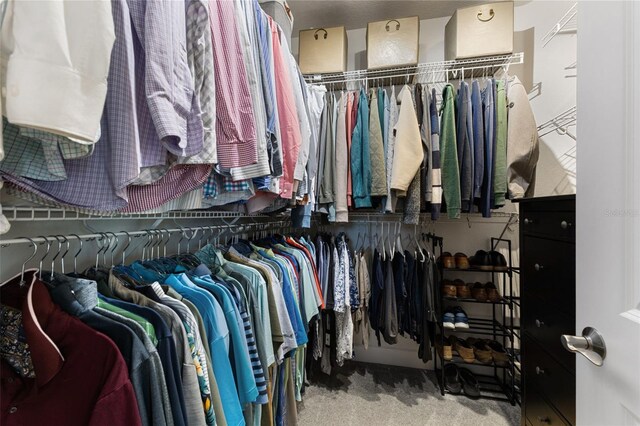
(393, 43)
(322, 50)
(485, 30)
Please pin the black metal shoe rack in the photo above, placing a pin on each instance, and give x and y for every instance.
(499, 382)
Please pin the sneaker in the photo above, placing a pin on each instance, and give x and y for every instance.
(461, 320)
(449, 319)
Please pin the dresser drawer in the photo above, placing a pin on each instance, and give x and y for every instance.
(539, 412)
(545, 325)
(549, 378)
(553, 224)
(549, 272)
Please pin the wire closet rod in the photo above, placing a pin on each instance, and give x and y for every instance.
(89, 237)
(433, 68)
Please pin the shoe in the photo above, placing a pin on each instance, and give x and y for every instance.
(465, 351)
(461, 320)
(447, 261)
(498, 353)
(449, 319)
(462, 289)
(449, 289)
(481, 260)
(481, 351)
(452, 381)
(470, 384)
(478, 292)
(444, 349)
(498, 261)
(462, 262)
(492, 292)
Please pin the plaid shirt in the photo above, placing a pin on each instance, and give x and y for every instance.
(99, 182)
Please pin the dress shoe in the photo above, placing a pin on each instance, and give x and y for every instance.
(447, 261)
(481, 260)
(498, 261)
(449, 289)
(470, 384)
(498, 353)
(462, 289)
(481, 351)
(492, 292)
(452, 382)
(462, 262)
(478, 292)
(465, 351)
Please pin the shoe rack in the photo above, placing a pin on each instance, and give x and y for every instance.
(495, 381)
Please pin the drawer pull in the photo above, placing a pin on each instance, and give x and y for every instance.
(538, 267)
(539, 323)
(539, 371)
(528, 221)
(545, 419)
(564, 224)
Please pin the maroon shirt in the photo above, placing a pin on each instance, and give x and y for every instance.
(80, 376)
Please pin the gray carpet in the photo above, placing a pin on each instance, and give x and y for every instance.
(371, 395)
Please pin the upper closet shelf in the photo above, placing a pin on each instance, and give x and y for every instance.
(31, 214)
(430, 72)
(568, 24)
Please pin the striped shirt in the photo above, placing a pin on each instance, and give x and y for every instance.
(235, 121)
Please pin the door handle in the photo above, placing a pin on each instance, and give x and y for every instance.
(590, 345)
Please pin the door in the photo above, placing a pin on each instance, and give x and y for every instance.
(608, 209)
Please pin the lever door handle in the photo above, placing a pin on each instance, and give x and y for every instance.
(590, 345)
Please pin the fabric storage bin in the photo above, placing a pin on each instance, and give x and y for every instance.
(393, 43)
(322, 50)
(484, 30)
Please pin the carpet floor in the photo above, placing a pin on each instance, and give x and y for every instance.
(361, 394)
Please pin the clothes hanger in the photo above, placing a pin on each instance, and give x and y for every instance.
(124, 250)
(75, 256)
(35, 250)
(46, 240)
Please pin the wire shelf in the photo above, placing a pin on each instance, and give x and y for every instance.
(568, 24)
(560, 124)
(31, 214)
(434, 72)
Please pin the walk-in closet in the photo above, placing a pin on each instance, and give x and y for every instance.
(304, 212)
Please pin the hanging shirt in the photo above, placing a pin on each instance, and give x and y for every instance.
(360, 155)
(378, 169)
(236, 132)
(407, 153)
(341, 171)
(449, 154)
(105, 397)
(436, 173)
(464, 140)
(478, 140)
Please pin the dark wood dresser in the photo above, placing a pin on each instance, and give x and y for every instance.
(548, 291)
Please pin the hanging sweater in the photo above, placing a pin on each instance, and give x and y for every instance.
(390, 122)
(341, 162)
(360, 158)
(436, 176)
(449, 154)
(489, 136)
(478, 140)
(407, 155)
(464, 144)
(378, 169)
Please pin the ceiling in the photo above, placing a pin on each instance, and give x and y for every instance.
(356, 13)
